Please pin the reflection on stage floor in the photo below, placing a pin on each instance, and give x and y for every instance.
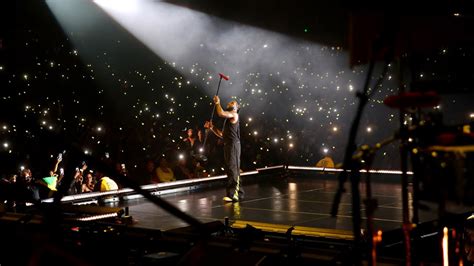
(293, 201)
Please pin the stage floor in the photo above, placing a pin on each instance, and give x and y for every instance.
(294, 201)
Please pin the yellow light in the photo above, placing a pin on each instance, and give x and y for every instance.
(466, 129)
(445, 247)
(379, 236)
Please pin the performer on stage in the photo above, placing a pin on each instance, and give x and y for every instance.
(231, 137)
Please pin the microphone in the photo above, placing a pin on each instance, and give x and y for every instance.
(223, 76)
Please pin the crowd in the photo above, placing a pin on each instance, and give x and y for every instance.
(198, 155)
(146, 114)
(27, 187)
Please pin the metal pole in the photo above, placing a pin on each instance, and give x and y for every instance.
(212, 114)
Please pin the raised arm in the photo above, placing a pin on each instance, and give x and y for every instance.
(58, 161)
(220, 111)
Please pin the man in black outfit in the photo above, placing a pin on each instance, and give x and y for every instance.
(231, 137)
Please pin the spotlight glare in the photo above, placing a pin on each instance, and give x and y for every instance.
(122, 6)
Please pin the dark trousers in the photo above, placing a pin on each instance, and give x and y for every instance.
(232, 167)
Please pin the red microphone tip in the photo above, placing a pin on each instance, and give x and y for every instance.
(224, 76)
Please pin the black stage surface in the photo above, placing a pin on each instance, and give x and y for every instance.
(289, 208)
(297, 199)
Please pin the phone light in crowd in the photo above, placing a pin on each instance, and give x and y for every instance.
(181, 156)
(86, 151)
(369, 129)
(201, 150)
(255, 133)
(275, 140)
(471, 115)
(250, 119)
(325, 150)
(335, 129)
(99, 129)
(6, 145)
(291, 145)
(22, 167)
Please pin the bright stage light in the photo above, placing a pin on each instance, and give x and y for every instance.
(122, 6)
(185, 36)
